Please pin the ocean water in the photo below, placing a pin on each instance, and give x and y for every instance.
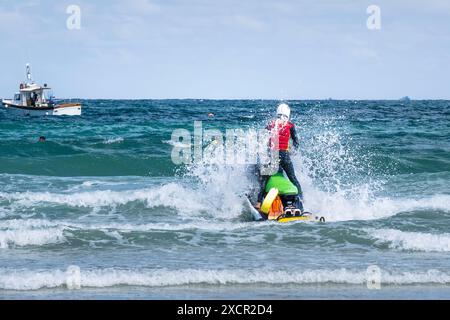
(100, 211)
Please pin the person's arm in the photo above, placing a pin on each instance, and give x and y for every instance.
(294, 137)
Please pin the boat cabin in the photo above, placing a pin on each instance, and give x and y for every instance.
(32, 95)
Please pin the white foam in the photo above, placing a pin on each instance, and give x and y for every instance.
(176, 144)
(198, 225)
(216, 199)
(41, 232)
(360, 202)
(113, 140)
(33, 280)
(333, 206)
(348, 190)
(336, 207)
(341, 182)
(415, 241)
(29, 232)
(169, 195)
(222, 184)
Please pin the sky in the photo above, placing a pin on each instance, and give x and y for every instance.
(228, 49)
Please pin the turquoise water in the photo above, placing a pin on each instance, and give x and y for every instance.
(102, 195)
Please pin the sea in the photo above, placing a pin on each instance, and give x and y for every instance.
(106, 208)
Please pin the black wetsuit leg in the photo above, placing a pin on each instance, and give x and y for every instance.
(262, 187)
(288, 167)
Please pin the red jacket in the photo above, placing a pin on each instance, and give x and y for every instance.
(285, 131)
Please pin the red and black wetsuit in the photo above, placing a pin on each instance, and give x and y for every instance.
(284, 131)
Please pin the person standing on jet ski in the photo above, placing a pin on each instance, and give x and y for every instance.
(284, 129)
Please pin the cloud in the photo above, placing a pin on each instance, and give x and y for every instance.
(136, 7)
(247, 22)
(360, 48)
(16, 20)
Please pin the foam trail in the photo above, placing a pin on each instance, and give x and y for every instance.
(412, 240)
(98, 278)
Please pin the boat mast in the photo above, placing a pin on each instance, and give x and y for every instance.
(29, 76)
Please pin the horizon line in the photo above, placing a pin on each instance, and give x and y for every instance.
(269, 99)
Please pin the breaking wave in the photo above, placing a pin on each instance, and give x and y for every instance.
(29, 232)
(414, 241)
(108, 277)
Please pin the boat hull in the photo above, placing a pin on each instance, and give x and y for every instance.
(67, 109)
(306, 216)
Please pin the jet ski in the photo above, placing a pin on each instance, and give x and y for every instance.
(281, 202)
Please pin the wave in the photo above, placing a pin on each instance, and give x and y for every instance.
(13, 279)
(187, 201)
(414, 241)
(198, 225)
(170, 195)
(29, 232)
(38, 232)
(336, 207)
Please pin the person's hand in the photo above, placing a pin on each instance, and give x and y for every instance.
(258, 205)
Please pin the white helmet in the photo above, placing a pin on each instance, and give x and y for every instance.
(283, 111)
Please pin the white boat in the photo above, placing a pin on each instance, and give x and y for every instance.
(33, 100)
